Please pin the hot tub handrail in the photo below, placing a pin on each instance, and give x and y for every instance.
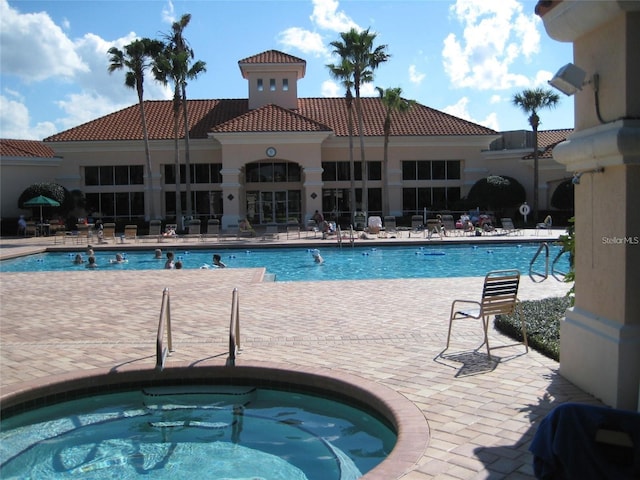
(234, 328)
(544, 246)
(165, 318)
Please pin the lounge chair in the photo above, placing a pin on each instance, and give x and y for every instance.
(374, 225)
(155, 231)
(31, 229)
(312, 226)
(508, 227)
(83, 233)
(293, 228)
(193, 230)
(390, 227)
(130, 233)
(499, 297)
(546, 225)
(449, 225)
(245, 229)
(417, 225)
(108, 233)
(271, 233)
(213, 230)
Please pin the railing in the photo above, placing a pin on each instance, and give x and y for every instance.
(557, 274)
(234, 328)
(544, 275)
(165, 318)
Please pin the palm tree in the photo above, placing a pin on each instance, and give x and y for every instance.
(184, 54)
(530, 102)
(357, 49)
(137, 57)
(393, 102)
(344, 73)
(168, 67)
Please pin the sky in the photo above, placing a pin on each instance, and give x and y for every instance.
(464, 57)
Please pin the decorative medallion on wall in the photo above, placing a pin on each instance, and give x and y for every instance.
(271, 152)
(230, 197)
(314, 196)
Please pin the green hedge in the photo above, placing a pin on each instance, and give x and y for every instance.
(542, 318)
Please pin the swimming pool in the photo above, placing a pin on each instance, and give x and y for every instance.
(196, 431)
(297, 264)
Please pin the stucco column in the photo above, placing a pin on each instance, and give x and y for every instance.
(395, 191)
(231, 197)
(600, 336)
(311, 191)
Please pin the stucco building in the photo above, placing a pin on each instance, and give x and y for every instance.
(274, 157)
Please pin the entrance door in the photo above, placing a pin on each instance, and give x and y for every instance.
(273, 207)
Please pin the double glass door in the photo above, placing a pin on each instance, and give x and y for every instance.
(273, 206)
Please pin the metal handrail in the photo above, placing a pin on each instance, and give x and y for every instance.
(553, 267)
(544, 275)
(234, 328)
(165, 318)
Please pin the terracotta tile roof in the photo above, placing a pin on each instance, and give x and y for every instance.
(272, 57)
(547, 140)
(319, 113)
(24, 148)
(271, 118)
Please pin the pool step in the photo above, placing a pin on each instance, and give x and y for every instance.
(197, 396)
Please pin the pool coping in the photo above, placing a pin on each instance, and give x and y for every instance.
(413, 432)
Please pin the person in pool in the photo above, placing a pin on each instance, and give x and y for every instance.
(169, 263)
(92, 262)
(316, 256)
(119, 259)
(158, 254)
(217, 261)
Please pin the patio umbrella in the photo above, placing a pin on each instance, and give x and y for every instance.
(41, 201)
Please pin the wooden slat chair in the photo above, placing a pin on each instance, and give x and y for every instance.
(499, 297)
(193, 230)
(108, 232)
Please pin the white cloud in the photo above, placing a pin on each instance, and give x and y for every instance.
(415, 76)
(35, 48)
(327, 17)
(495, 35)
(169, 13)
(331, 89)
(495, 99)
(461, 110)
(16, 122)
(303, 40)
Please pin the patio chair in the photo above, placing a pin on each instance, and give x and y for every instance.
(449, 225)
(130, 233)
(245, 229)
(390, 227)
(155, 231)
(83, 233)
(193, 230)
(31, 229)
(271, 233)
(417, 224)
(499, 297)
(508, 227)
(213, 230)
(293, 228)
(108, 232)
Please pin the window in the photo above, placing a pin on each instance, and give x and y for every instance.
(285, 84)
(200, 173)
(272, 84)
(114, 175)
(124, 205)
(272, 172)
(259, 85)
(431, 170)
(415, 200)
(339, 171)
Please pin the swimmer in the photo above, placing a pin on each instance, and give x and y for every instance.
(316, 256)
(217, 261)
(158, 254)
(119, 259)
(92, 262)
(169, 263)
(78, 259)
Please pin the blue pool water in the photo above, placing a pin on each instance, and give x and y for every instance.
(194, 432)
(296, 264)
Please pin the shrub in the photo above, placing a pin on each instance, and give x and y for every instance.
(542, 318)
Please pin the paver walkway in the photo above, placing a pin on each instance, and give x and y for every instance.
(481, 415)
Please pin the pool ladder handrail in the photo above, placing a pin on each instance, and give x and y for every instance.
(165, 319)
(234, 328)
(545, 246)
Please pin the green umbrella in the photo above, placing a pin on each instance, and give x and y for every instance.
(41, 201)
